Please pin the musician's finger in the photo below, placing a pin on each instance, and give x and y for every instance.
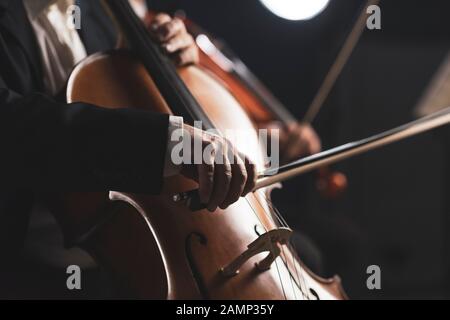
(206, 181)
(158, 21)
(178, 43)
(222, 180)
(170, 29)
(252, 175)
(238, 181)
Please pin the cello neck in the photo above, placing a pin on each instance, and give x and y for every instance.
(162, 70)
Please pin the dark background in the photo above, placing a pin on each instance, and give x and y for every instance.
(395, 213)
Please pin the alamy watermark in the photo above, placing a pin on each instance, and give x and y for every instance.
(374, 280)
(374, 19)
(190, 149)
(74, 17)
(73, 281)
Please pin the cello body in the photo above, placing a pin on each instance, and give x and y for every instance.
(155, 247)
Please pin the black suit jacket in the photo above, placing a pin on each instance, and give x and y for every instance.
(48, 145)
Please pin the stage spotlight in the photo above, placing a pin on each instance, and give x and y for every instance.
(296, 9)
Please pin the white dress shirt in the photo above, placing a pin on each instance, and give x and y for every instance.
(60, 46)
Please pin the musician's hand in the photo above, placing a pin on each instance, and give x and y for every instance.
(224, 175)
(173, 37)
(297, 140)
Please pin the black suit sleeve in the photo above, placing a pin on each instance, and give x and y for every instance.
(51, 146)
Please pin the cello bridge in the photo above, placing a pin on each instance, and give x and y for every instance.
(268, 242)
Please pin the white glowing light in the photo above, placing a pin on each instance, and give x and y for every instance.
(296, 9)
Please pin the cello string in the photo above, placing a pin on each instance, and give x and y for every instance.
(291, 243)
(274, 212)
(290, 277)
(301, 282)
(280, 224)
(272, 244)
(295, 259)
(283, 254)
(276, 264)
(298, 269)
(281, 279)
(297, 266)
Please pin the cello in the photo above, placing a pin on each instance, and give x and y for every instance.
(154, 246)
